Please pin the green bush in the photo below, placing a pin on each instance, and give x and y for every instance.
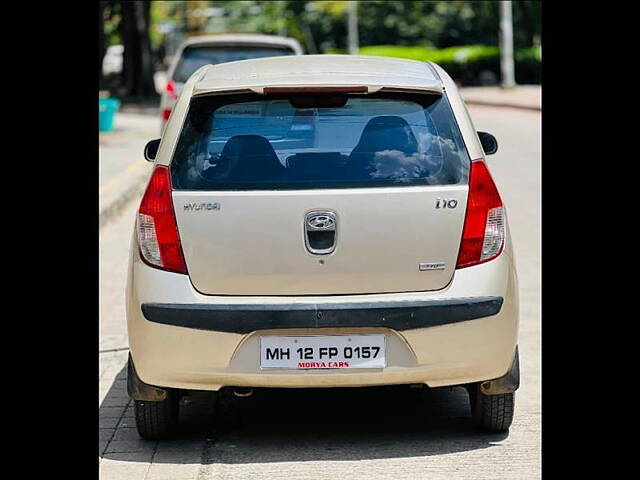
(469, 64)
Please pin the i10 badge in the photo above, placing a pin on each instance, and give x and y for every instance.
(323, 352)
(446, 203)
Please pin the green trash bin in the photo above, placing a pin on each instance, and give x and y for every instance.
(108, 108)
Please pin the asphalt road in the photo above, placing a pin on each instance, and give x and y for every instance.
(386, 433)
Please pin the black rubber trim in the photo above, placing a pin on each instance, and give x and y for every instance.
(397, 315)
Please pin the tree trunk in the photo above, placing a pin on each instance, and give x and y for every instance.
(526, 19)
(137, 67)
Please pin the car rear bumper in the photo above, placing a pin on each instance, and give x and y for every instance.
(465, 333)
(396, 315)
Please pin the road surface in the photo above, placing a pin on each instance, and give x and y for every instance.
(387, 433)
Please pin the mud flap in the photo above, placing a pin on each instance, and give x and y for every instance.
(506, 384)
(138, 390)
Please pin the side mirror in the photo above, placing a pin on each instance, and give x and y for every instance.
(151, 149)
(489, 143)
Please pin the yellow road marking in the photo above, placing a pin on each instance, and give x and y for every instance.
(120, 177)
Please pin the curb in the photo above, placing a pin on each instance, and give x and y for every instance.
(503, 105)
(111, 211)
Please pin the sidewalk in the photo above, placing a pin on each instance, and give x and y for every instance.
(123, 170)
(527, 97)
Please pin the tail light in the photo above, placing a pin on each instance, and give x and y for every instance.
(158, 237)
(171, 90)
(173, 94)
(484, 229)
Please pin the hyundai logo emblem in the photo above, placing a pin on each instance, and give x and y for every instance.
(321, 222)
(320, 232)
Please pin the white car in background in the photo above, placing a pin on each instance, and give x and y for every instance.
(369, 246)
(214, 49)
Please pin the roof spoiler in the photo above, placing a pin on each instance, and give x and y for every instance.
(315, 89)
(319, 89)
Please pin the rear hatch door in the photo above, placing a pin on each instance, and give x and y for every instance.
(371, 201)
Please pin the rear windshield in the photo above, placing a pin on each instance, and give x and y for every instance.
(195, 57)
(261, 143)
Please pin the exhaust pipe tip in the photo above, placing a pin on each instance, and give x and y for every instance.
(243, 392)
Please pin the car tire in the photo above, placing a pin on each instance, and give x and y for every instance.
(157, 420)
(492, 413)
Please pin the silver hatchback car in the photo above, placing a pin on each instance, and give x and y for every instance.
(321, 221)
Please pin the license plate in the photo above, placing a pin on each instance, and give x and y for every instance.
(323, 351)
